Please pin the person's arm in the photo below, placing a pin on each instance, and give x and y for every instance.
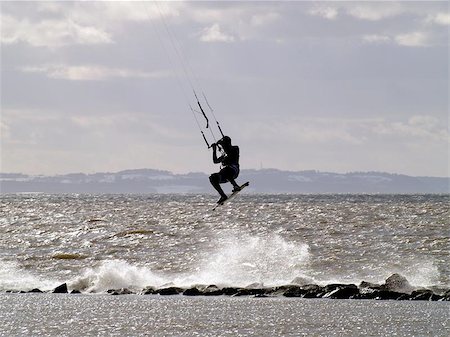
(215, 159)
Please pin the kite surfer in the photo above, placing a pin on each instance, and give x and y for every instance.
(230, 167)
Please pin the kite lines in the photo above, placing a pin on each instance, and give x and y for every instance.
(174, 54)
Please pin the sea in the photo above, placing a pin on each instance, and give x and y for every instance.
(99, 242)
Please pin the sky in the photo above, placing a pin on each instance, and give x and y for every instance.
(329, 86)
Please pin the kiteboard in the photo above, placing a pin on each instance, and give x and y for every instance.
(232, 195)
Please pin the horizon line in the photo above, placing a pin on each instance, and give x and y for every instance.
(206, 173)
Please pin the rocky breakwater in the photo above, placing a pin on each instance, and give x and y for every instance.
(395, 287)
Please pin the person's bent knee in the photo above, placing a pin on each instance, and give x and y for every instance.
(214, 178)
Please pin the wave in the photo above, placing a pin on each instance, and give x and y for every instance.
(237, 262)
(15, 278)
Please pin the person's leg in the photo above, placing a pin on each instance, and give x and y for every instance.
(230, 174)
(215, 180)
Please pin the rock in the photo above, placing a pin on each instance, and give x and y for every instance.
(386, 295)
(249, 291)
(121, 291)
(194, 291)
(212, 290)
(404, 297)
(435, 297)
(35, 290)
(230, 291)
(61, 289)
(199, 290)
(169, 291)
(369, 285)
(397, 283)
(148, 291)
(446, 296)
(75, 291)
(422, 295)
(294, 291)
(313, 291)
(343, 292)
(331, 287)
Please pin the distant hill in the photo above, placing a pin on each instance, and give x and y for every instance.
(261, 181)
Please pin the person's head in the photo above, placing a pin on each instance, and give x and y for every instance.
(225, 142)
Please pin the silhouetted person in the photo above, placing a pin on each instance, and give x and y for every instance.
(230, 167)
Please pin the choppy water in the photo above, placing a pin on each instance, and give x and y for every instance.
(138, 315)
(99, 242)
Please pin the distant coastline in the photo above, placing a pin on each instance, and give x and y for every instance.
(261, 181)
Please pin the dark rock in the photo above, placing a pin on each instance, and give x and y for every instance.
(397, 283)
(422, 295)
(212, 290)
(278, 291)
(343, 292)
(249, 292)
(446, 296)
(436, 297)
(294, 291)
(194, 291)
(386, 295)
(169, 291)
(199, 290)
(121, 291)
(35, 290)
(313, 291)
(261, 296)
(75, 291)
(230, 291)
(148, 291)
(364, 285)
(61, 289)
(404, 297)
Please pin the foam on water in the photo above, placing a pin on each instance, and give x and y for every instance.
(13, 277)
(239, 261)
(115, 274)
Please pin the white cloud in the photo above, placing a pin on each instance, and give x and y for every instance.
(373, 11)
(89, 72)
(50, 33)
(326, 12)
(417, 127)
(214, 34)
(415, 39)
(439, 18)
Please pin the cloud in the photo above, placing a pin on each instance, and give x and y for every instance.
(416, 128)
(88, 72)
(372, 11)
(50, 33)
(214, 34)
(325, 12)
(415, 39)
(439, 18)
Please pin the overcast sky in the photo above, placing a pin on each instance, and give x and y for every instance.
(331, 86)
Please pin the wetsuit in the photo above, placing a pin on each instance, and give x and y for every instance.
(230, 163)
